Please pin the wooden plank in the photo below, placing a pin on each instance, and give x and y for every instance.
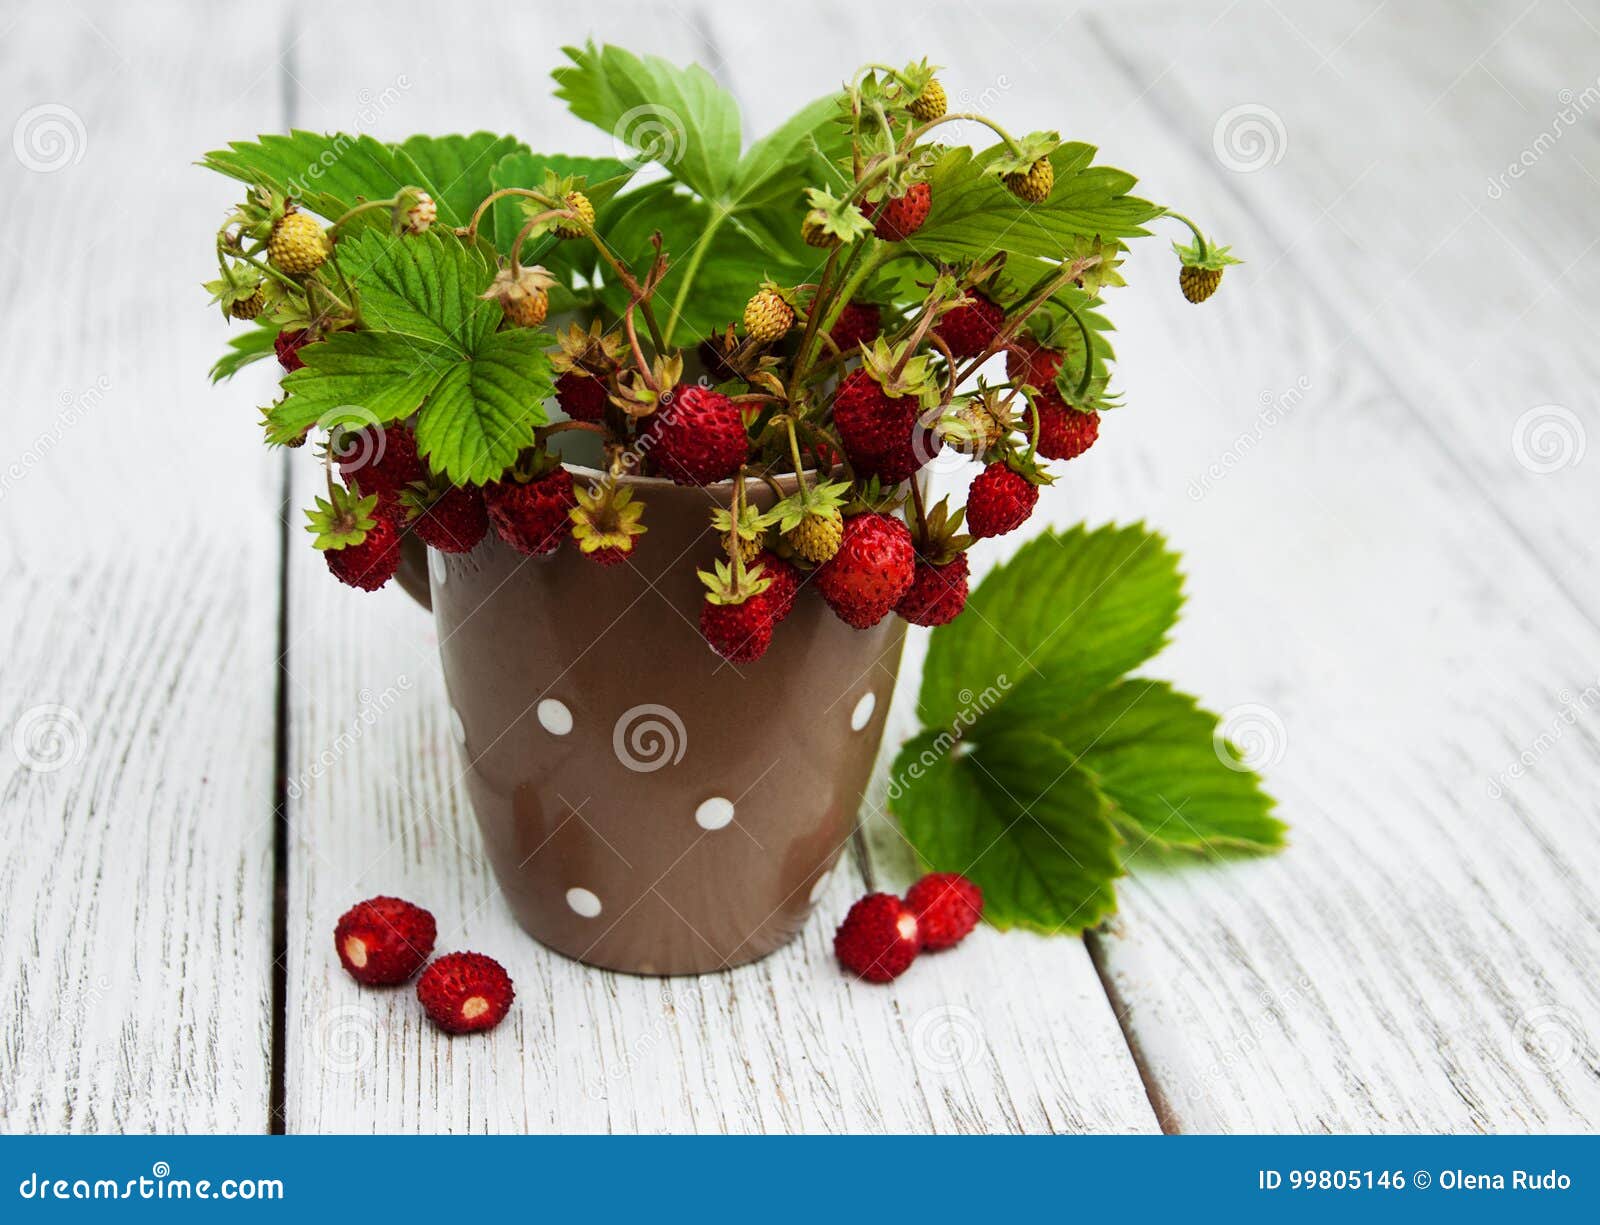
(141, 564)
(969, 1043)
(1366, 588)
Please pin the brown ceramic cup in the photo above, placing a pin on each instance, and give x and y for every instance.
(648, 806)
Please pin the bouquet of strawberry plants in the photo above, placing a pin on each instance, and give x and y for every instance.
(820, 312)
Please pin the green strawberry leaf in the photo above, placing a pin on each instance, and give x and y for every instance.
(357, 378)
(1067, 615)
(329, 174)
(244, 347)
(973, 216)
(1155, 754)
(456, 170)
(679, 117)
(424, 285)
(483, 412)
(1016, 817)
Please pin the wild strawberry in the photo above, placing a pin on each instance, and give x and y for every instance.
(859, 323)
(357, 536)
(250, 306)
(1064, 432)
(969, 329)
(449, 517)
(297, 245)
(287, 345)
(414, 212)
(465, 993)
(579, 204)
(696, 436)
(999, 501)
(872, 571)
(931, 103)
(938, 592)
(814, 231)
(1032, 363)
(1198, 284)
(531, 515)
(878, 939)
(1034, 185)
(784, 582)
(384, 941)
(382, 457)
(605, 522)
(581, 396)
(817, 536)
(877, 413)
(897, 218)
(523, 294)
(767, 317)
(947, 906)
(738, 616)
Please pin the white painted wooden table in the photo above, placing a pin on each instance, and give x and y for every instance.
(1370, 447)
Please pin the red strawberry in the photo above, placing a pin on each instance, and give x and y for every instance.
(970, 329)
(581, 396)
(1064, 432)
(871, 572)
(383, 458)
(785, 584)
(287, 345)
(372, 563)
(947, 906)
(878, 939)
(532, 516)
(896, 219)
(740, 633)
(881, 433)
(454, 522)
(858, 324)
(465, 992)
(697, 436)
(999, 501)
(938, 593)
(1030, 362)
(384, 941)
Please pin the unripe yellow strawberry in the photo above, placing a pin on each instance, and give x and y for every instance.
(814, 232)
(748, 549)
(579, 204)
(248, 308)
(297, 246)
(931, 103)
(767, 317)
(1198, 284)
(817, 536)
(1036, 184)
(523, 294)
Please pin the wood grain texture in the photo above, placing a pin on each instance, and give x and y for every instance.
(138, 572)
(969, 1044)
(1385, 601)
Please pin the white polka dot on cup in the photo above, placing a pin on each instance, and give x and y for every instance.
(715, 813)
(457, 727)
(583, 902)
(554, 717)
(436, 566)
(862, 714)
